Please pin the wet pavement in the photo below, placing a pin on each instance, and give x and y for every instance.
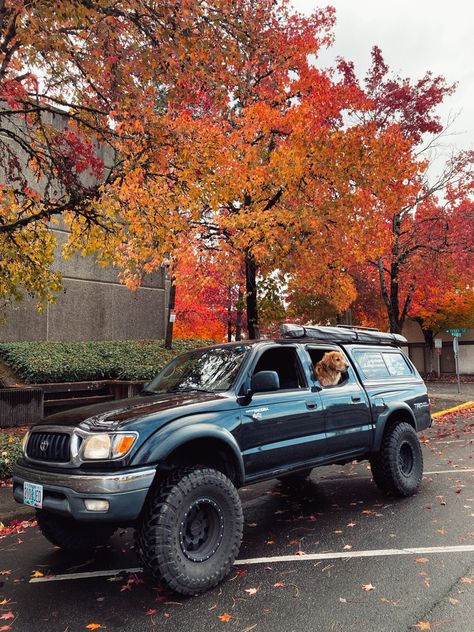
(357, 560)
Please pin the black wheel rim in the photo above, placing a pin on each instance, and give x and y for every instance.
(406, 459)
(201, 530)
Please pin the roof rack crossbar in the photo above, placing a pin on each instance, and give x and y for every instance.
(358, 327)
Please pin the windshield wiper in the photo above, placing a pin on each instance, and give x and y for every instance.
(147, 391)
(189, 389)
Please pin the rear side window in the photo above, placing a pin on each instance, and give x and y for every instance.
(396, 364)
(382, 365)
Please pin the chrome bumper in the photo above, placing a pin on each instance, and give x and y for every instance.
(87, 483)
(65, 493)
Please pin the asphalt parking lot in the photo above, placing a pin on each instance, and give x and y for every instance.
(332, 554)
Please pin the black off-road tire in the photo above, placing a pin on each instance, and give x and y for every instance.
(71, 535)
(398, 468)
(295, 477)
(190, 530)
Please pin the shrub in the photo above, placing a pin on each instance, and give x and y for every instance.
(10, 452)
(40, 361)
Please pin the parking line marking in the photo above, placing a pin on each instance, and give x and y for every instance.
(447, 472)
(84, 575)
(348, 554)
(426, 550)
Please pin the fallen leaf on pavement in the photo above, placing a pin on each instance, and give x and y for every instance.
(300, 553)
(280, 584)
(421, 560)
(251, 591)
(5, 572)
(367, 587)
(4, 602)
(342, 600)
(4, 628)
(453, 601)
(225, 617)
(351, 524)
(7, 615)
(93, 626)
(38, 574)
(347, 547)
(467, 580)
(423, 625)
(151, 611)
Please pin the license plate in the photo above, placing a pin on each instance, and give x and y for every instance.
(33, 494)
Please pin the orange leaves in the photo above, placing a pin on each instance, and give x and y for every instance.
(226, 617)
(93, 626)
(423, 625)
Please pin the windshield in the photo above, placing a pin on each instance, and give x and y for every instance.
(201, 370)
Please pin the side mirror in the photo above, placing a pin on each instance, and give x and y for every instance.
(265, 381)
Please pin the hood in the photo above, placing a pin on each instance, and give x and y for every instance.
(116, 414)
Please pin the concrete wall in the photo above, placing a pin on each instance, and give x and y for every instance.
(412, 331)
(94, 305)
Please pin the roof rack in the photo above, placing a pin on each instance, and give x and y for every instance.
(358, 327)
(346, 334)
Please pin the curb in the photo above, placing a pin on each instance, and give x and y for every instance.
(447, 411)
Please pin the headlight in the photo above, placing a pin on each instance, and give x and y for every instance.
(24, 442)
(108, 446)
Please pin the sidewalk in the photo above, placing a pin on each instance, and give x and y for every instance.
(442, 396)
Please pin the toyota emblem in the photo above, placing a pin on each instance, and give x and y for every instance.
(44, 445)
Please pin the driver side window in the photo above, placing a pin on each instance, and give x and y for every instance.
(285, 361)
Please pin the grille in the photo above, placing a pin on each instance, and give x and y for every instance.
(49, 446)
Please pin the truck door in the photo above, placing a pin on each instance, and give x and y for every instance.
(285, 427)
(349, 428)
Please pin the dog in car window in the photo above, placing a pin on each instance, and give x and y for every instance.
(329, 368)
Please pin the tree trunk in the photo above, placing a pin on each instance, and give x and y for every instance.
(170, 323)
(429, 336)
(229, 315)
(251, 296)
(238, 319)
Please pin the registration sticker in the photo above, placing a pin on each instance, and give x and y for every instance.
(33, 494)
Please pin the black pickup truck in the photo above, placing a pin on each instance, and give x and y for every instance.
(170, 460)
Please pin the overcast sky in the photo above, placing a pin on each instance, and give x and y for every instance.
(414, 36)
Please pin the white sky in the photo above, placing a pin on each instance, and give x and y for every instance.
(414, 36)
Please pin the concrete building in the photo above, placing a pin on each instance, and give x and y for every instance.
(443, 360)
(94, 305)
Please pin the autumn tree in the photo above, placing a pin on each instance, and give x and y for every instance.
(423, 220)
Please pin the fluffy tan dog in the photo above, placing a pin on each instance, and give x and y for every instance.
(329, 369)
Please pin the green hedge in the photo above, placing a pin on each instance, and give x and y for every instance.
(10, 452)
(41, 362)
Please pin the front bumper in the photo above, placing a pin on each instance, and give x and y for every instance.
(64, 493)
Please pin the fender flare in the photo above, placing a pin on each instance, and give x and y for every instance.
(160, 445)
(399, 408)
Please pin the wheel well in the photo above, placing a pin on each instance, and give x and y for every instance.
(209, 452)
(397, 417)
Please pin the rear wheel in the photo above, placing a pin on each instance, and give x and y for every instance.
(398, 468)
(70, 534)
(191, 530)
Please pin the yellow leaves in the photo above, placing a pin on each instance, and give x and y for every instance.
(93, 626)
(37, 574)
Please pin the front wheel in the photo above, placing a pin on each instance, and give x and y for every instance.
(191, 529)
(398, 468)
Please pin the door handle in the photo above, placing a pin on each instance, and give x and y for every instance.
(356, 398)
(311, 405)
